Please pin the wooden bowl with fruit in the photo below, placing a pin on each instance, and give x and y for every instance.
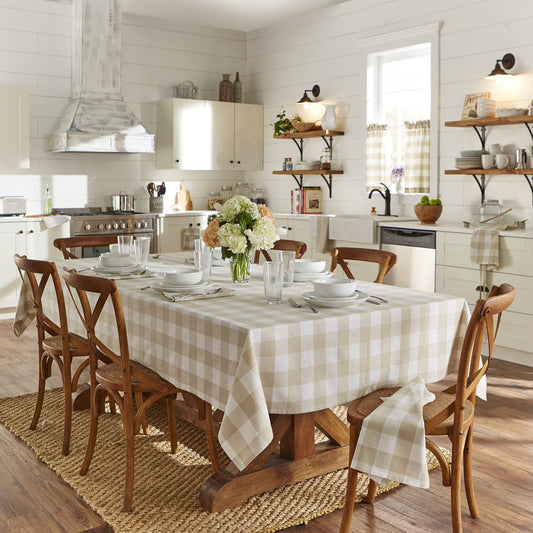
(428, 211)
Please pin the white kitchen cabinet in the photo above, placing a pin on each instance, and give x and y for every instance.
(208, 135)
(170, 230)
(14, 134)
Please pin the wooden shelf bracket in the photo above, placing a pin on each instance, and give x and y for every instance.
(482, 185)
(529, 182)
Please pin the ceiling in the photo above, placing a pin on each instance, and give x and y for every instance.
(241, 15)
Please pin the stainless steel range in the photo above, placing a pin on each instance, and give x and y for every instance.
(101, 221)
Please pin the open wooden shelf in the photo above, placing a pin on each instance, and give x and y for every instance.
(316, 172)
(519, 119)
(487, 171)
(309, 134)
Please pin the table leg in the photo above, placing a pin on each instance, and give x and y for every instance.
(298, 459)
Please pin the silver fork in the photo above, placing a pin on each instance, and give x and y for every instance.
(301, 306)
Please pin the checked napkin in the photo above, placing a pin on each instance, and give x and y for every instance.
(392, 442)
(485, 245)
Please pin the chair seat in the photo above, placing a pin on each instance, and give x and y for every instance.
(361, 408)
(111, 376)
(78, 345)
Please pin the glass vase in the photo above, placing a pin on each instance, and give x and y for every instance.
(240, 267)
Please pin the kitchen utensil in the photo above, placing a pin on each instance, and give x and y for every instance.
(496, 216)
(296, 305)
(151, 188)
(123, 202)
(162, 189)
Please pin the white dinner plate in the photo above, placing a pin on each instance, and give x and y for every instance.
(163, 287)
(300, 277)
(117, 270)
(345, 301)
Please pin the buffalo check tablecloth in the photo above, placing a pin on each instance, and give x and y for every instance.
(249, 358)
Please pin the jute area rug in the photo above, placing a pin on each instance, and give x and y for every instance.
(166, 485)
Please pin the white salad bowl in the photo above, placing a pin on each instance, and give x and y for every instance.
(111, 260)
(334, 287)
(182, 276)
(309, 266)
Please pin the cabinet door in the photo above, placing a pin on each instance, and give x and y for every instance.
(12, 241)
(220, 136)
(14, 134)
(191, 135)
(248, 137)
(170, 230)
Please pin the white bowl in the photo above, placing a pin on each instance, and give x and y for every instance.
(109, 259)
(511, 112)
(182, 276)
(309, 266)
(334, 287)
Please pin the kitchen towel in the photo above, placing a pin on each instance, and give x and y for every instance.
(319, 229)
(485, 245)
(392, 442)
(49, 222)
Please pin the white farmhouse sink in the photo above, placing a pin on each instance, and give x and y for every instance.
(358, 228)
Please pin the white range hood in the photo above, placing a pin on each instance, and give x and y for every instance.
(96, 118)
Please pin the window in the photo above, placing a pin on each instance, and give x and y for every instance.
(401, 105)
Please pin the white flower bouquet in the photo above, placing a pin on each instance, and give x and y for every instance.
(241, 227)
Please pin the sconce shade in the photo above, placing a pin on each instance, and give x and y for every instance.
(506, 62)
(315, 91)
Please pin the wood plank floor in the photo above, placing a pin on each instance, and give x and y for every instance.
(34, 499)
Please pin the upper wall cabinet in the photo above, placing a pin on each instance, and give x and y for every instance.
(207, 135)
(14, 128)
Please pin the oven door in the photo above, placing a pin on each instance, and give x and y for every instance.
(96, 251)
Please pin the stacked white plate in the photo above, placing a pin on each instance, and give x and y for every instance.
(486, 108)
(301, 277)
(132, 269)
(511, 112)
(468, 162)
(356, 298)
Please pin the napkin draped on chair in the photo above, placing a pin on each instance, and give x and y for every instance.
(392, 442)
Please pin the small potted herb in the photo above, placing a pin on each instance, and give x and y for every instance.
(283, 123)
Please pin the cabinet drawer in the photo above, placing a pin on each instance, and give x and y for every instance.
(453, 249)
(462, 282)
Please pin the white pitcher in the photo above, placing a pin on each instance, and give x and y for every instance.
(329, 120)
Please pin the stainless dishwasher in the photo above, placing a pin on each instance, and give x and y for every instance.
(415, 266)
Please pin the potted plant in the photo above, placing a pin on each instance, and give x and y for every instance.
(428, 211)
(283, 123)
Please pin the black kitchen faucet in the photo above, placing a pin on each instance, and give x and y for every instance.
(386, 197)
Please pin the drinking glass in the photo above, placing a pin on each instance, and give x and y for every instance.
(125, 243)
(141, 247)
(203, 259)
(273, 280)
(286, 258)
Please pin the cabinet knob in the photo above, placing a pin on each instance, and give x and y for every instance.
(289, 228)
(31, 231)
(177, 160)
(19, 232)
(238, 162)
(231, 160)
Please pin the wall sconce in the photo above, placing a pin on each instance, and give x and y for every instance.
(305, 100)
(507, 62)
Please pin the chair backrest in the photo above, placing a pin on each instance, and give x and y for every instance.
(284, 244)
(65, 243)
(89, 313)
(386, 260)
(37, 274)
(480, 328)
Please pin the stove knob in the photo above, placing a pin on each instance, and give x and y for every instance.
(87, 227)
(115, 225)
(128, 225)
(137, 225)
(122, 225)
(100, 226)
(108, 226)
(144, 225)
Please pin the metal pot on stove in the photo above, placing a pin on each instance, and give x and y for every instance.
(123, 202)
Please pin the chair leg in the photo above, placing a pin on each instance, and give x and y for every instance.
(139, 401)
(67, 391)
(172, 424)
(469, 481)
(457, 456)
(127, 421)
(371, 492)
(351, 485)
(40, 392)
(210, 436)
(93, 430)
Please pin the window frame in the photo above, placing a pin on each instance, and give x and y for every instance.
(402, 39)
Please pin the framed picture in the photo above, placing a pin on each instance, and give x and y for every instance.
(470, 105)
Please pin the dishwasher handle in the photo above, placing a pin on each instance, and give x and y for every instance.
(407, 237)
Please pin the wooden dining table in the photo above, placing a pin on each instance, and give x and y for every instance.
(274, 372)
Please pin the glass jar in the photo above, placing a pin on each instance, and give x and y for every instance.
(243, 189)
(325, 159)
(214, 198)
(226, 192)
(258, 196)
(287, 164)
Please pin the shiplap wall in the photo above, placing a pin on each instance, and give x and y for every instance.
(324, 47)
(35, 52)
(277, 63)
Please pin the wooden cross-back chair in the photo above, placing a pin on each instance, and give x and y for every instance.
(451, 413)
(298, 247)
(123, 379)
(55, 343)
(65, 243)
(339, 256)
